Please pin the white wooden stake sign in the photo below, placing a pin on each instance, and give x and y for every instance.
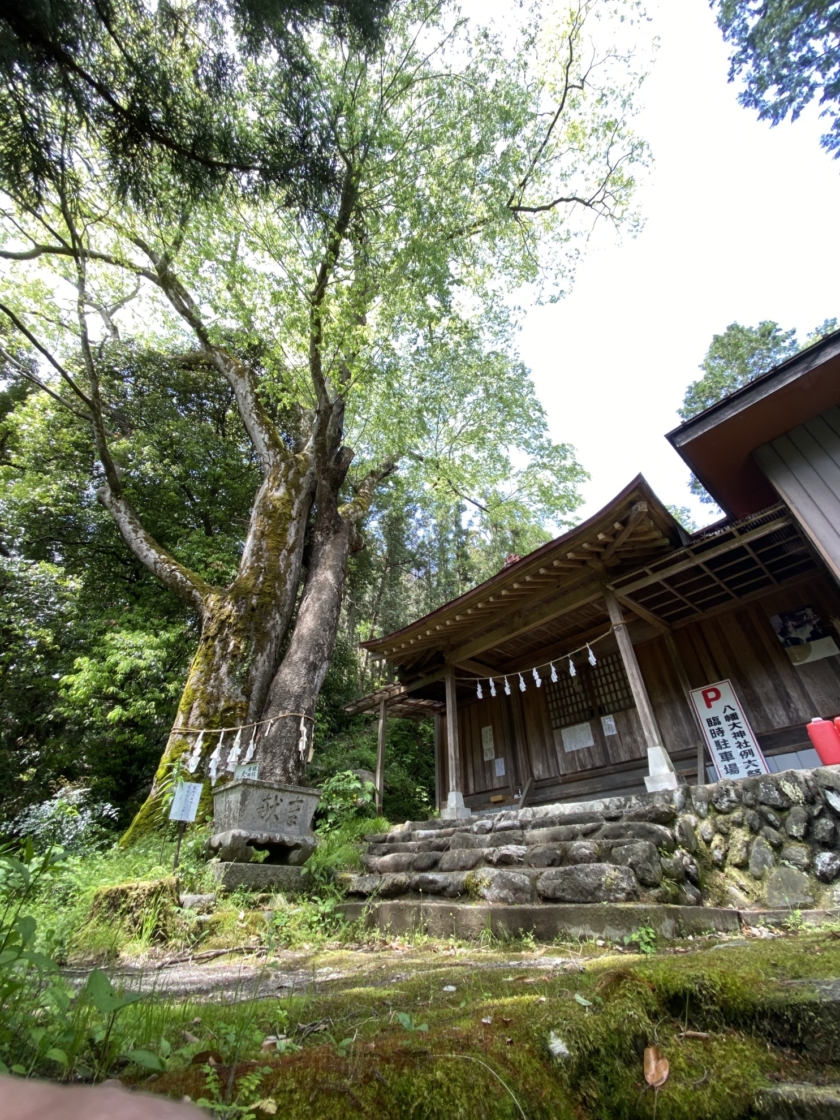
(732, 744)
(184, 809)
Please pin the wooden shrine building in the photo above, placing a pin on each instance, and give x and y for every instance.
(663, 612)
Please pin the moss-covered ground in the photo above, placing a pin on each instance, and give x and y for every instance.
(457, 1032)
(345, 1023)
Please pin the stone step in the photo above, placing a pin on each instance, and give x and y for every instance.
(620, 832)
(439, 918)
(258, 877)
(798, 1101)
(772, 842)
(578, 820)
(582, 882)
(640, 855)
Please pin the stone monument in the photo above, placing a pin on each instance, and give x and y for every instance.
(251, 816)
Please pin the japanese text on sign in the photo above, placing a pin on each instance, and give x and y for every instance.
(185, 802)
(488, 746)
(733, 746)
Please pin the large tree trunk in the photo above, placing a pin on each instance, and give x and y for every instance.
(283, 752)
(243, 626)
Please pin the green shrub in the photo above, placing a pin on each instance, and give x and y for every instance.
(409, 778)
(70, 819)
(45, 1028)
(339, 849)
(344, 797)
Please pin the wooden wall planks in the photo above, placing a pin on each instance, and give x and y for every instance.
(479, 776)
(743, 647)
(804, 467)
(670, 706)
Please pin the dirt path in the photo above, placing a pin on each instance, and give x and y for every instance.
(230, 979)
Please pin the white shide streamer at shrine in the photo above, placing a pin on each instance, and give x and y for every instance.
(544, 665)
(215, 765)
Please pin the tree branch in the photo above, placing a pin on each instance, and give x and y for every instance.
(25, 373)
(458, 493)
(322, 279)
(56, 54)
(99, 434)
(356, 509)
(568, 85)
(186, 584)
(39, 250)
(30, 337)
(262, 432)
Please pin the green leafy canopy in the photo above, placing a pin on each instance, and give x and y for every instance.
(459, 194)
(788, 53)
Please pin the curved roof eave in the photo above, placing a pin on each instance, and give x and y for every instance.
(638, 488)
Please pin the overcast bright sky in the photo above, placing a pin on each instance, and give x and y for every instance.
(741, 224)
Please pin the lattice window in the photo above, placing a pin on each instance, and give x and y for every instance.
(611, 686)
(568, 701)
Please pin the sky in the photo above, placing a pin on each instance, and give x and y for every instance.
(740, 226)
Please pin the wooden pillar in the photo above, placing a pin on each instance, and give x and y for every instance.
(650, 728)
(380, 754)
(455, 801)
(661, 769)
(453, 757)
(679, 667)
(438, 790)
(674, 654)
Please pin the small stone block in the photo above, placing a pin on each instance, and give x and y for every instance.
(588, 882)
(796, 824)
(201, 902)
(798, 855)
(761, 858)
(823, 830)
(827, 866)
(258, 876)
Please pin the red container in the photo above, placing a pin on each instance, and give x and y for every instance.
(826, 740)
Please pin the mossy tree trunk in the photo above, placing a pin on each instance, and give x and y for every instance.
(238, 675)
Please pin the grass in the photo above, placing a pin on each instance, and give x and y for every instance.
(433, 1032)
(415, 1027)
(85, 912)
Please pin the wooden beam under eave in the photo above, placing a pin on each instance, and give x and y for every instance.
(477, 667)
(551, 651)
(636, 514)
(644, 614)
(543, 612)
(707, 554)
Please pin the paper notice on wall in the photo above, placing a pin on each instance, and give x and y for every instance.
(804, 635)
(608, 725)
(500, 767)
(488, 747)
(577, 737)
(732, 745)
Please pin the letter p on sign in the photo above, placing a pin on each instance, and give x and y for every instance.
(710, 695)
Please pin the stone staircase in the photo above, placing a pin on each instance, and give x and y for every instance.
(685, 860)
(626, 849)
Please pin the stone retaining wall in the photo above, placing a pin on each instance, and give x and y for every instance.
(761, 842)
